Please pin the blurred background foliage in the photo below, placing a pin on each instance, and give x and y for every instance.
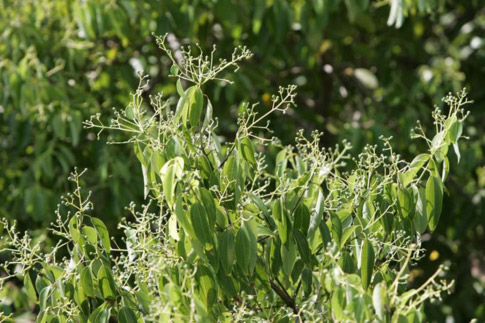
(364, 69)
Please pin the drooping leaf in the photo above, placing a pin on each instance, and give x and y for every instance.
(302, 218)
(196, 103)
(200, 224)
(227, 251)
(303, 247)
(289, 254)
(170, 173)
(367, 263)
(434, 200)
(243, 249)
(405, 202)
(317, 216)
(29, 287)
(209, 205)
(282, 221)
(87, 281)
(420, 219)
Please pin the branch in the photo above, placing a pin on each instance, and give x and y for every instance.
(290, 302)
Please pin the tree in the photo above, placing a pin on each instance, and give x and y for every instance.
(245, 229)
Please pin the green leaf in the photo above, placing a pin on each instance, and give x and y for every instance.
(44, 297)
(207, 286)
(101, 314)
(174, 70)
(209, 205)
(380, 299)
(420, 219)
(191, 110)
(415, 166)
(282, 221)
(102, 232)
(274, 255)
(252, 229)
(74, 231)
(336, 229)
(338, 303)
(280, 163)
(288, 256)
(90, 234)
(227, 252)
(367, 263)
(170, 173)
(247, 151)
(307, 278)
(182, 218)
(144, 300)
(230, 170)
(456, 148)
(126, 315)
(182, 107)
(87, 281)
(325, 233)
(29, 287)
(203, 232)
(346, 234)
(53, 272)
(172, 228)
(455, 129)
(40, 283)
(446, 169)
(434, 200)
(405, 202)
(174, 295)
(302, 218)
(439, 148)
(433, 168)
(180, 89)
(303, 248)
(106, 283)
(347, 263)
(243, 249)
(317, 216)
(259, 8)
(264, 209)
(208, 114)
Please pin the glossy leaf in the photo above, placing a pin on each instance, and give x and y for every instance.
(434, 200)
(367, 263)
(200, 224)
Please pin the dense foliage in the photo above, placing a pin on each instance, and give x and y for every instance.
(358, 78)
(244, 229)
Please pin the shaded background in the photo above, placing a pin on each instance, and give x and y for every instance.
(364, 69)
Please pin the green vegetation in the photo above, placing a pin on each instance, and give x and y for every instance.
(364, 69)
(245, 229)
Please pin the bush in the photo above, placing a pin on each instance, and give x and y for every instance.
(246, 229)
